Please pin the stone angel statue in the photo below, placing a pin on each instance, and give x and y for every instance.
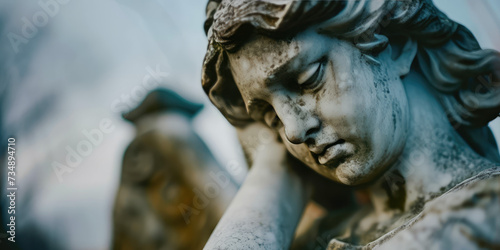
(389, 99)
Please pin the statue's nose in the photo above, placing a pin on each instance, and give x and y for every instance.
(299, 124)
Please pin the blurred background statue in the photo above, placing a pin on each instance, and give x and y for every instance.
(172, 192)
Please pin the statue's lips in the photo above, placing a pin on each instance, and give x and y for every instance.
(333, 152)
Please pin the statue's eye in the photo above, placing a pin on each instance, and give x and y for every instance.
(312, 76)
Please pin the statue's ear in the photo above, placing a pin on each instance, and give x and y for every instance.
(403, 52)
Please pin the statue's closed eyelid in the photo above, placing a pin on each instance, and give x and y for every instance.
(308, 73)
(315, 71)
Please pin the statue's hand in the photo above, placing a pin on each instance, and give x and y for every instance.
(259, 141)
(263, 145)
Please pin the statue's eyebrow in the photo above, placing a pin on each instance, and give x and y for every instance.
(279, 71)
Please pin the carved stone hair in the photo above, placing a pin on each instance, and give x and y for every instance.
(467, 77)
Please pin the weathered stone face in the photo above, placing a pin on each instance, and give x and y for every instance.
(339, 111)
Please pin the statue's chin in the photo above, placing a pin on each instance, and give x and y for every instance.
(352, 170)
(352, 174)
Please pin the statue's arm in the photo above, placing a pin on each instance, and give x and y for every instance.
(268, 206)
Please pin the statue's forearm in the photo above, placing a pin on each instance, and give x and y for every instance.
(266, 210)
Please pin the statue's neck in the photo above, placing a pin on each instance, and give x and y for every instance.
(434, 160)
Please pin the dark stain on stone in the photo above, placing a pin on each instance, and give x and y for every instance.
(394, 120)
(396, 191)
(301, 102)
(396, 112)
(417, 206)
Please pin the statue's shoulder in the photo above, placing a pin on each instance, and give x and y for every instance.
(465, 217)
